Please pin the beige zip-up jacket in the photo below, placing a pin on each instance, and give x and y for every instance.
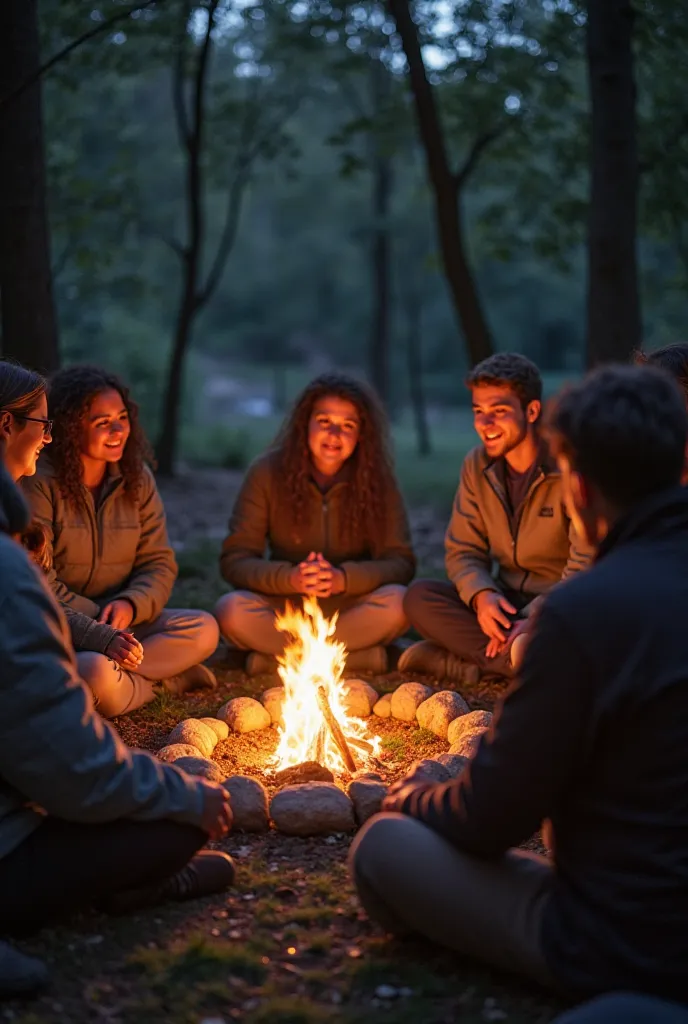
(485, 551)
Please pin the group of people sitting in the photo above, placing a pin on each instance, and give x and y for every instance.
(590, 739)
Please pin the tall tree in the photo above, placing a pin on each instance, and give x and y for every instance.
(29, 323)
(613, 317)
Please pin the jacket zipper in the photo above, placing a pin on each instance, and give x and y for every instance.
(514, 527)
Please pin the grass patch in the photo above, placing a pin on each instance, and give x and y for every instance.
(421, 737)
(395, 745)
(198, 961)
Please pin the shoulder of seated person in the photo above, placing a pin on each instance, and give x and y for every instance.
(475, 461)
(15, 564)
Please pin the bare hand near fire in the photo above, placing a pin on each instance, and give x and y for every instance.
(493, 612)
(217, 817)
(316, 577)
(126, 650)
(118, 614)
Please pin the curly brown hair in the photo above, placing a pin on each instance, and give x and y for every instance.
(70, 395)
(372, 473)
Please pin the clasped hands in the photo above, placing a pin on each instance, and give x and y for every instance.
(494, 612)
(316, 577)
(124, 648)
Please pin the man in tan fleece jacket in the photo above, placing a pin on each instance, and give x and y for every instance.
(509, 540)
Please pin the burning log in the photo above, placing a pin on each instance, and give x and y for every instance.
(334, 727)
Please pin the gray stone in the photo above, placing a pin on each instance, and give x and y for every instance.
(467, 743)
(366, 796)
(244, 714)
(383, 708)
(481, 720)
(431, 769)
(249, 802)
(406, 699)
(364, 773)
(174, 750)
(221, 729)
(360, 698)
(312, 810)
(299, 774)
(437, 712)
(196, 733)
(454, 763)
(200, 766)
(273, 702)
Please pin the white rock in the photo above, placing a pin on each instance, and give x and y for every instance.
(174, 750)
(469, 723)
(244, 714)
(313, 809)
(273, 702)
(249, 802)
(438, 711)
(200, 766)
(406, 700)
(433, 770)
(196, 733)
(221, 729)
(467, 743)
(383, 708)
(360, 698)
(366, 796)
(454, 763)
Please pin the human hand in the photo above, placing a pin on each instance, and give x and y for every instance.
(399, 790)
(330, 580)
(495, 647)
(493, 611)
(316, 577)
(217, 817)
(126, 650)
(119, 614)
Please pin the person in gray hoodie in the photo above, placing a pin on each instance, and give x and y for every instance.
(84, 821)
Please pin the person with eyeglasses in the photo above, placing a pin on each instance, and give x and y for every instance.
(84, 821)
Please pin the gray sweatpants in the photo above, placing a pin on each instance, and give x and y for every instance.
(247, 619)
(176, 640)
(412, 881)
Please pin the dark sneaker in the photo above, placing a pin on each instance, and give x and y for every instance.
(433, 660)
(207, 873)
(370, 660)
(20, 975)
(258, 664)
(198, 677)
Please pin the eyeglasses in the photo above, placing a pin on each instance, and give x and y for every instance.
(47, 424)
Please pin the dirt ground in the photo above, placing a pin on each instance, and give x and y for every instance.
(289, 944)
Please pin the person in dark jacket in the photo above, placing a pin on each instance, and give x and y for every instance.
(97, 502)
(592, 736)
(324, 503)
(673, 359)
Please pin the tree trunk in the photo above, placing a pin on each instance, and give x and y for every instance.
(445, 186)
(380, 255)
(29, 323)
(166, 448)
(415, 371)
(614, 327)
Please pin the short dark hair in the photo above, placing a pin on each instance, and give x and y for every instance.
(672, 359)
(624, 428)
(512, 370)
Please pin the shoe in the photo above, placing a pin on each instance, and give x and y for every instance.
(20, 975)
(395, 651)
(436, 661)
(370, 660)
(198, 677)
(258, 664)
(207, 873)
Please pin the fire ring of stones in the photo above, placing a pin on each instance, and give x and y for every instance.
(308, 802)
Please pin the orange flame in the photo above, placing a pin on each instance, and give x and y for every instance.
(312, 659)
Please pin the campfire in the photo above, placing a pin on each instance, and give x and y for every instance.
(317, 725)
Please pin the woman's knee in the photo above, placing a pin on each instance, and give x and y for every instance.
(230, 612)
(207, 635)
(392, 597)
(106, 682)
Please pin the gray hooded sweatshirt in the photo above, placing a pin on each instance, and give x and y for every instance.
(57, 756)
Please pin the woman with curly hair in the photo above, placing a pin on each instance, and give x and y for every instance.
(325, 503)
(96, 499)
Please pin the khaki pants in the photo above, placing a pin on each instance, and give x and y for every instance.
(175, 641)
(247, 619)
(412, 881)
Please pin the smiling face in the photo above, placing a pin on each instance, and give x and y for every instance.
(106, 428)
(333, 432)
(24, 438)
(500, 420)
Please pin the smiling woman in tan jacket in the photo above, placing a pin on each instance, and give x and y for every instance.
(320, 514)
(97, 502)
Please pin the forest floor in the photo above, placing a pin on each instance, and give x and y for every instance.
(289, 944)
